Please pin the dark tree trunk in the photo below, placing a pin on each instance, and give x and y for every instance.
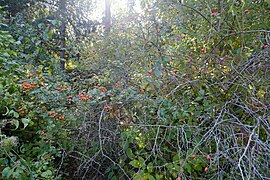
(62, 10)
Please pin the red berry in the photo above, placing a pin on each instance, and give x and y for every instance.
(213, 14)
(213, 10)
(43, 133)
(69, 97)
(193, 156)
(206, 169)
(150, 73)
(246, 11)
(208, 157)
(174, 71)
(203, 51)
(265, 46)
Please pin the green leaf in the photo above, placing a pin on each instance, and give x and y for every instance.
(114, 178)
(157, 72)
(176, 158)
(198, 167)
(16, 123)
(189, 152)
(232, 10)
(11, 112)
(11, 52)
(47, 174)
(169, 167)
(137, 177)
(54, 22)
(6, 112)
(250, 87)
(201, 92)
(25, 122)
(197, 139)
(188, 134)
(141, 160)
(158, 177)
(187, 167)
(40, 25)
(7, 172)
(15, 114)
(5, 54)
(135, 163)
(150, 167)
(150, 177)
(130, 153)
(198, 98)
(46, 37)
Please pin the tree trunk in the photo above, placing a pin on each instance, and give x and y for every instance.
(62, 10)
(107, 16)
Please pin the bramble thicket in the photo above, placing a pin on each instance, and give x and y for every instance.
(158, 90)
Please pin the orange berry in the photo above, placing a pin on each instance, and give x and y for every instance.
(43, 109)
(117, 84)
(108, 108)
(102, 89)
(193, 156)
(62, 117)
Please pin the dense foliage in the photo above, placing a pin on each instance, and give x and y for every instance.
(177, 91)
